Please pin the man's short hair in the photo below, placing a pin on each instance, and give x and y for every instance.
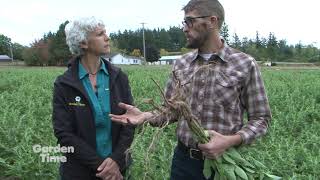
(206, 8)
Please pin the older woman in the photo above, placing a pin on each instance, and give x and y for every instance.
(83, 97)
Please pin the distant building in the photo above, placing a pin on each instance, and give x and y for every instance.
(268, 63)
(164, 60)
(134, 60)
(117, 58)
(5, 58)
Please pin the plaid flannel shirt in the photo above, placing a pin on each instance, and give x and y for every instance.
(220, 93)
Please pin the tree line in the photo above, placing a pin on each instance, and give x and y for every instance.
(51, 49)
(261, 48)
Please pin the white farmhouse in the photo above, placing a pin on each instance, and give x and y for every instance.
(118, 58)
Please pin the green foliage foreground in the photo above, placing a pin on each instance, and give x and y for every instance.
(290, 149)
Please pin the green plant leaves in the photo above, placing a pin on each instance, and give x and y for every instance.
(240, 172)
(228, 159)
(231, 165)
(229, 171)
(258, 164)
(272, 176)
(207, 168)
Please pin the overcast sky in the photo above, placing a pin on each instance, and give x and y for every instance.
(294, 20)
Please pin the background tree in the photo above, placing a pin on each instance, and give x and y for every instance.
(38, 54)
(224, 32)
(5, 44)
(58, 48)
(285, 52)
(163, 52)
(17, 51)
(164, 39)
(171, 40)
(272, 47)
(298, 50)
(236, 43)
(184, 50)
(114, 47)
(244, 44)
(136, 53)
(152, 53)
(31, 57)
(258, 41)
(177, 38)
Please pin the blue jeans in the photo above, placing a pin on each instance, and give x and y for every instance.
(185, 168)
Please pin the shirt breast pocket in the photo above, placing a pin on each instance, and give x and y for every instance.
(227, 89)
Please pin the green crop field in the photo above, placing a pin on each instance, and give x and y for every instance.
(291, 148)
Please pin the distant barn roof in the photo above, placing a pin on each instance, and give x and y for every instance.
(5, 58)
(166, 58)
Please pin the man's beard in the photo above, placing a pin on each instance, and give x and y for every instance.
(198, 41)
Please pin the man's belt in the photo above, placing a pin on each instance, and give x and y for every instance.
(191, 152)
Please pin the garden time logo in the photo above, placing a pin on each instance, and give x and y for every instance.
(45, 152)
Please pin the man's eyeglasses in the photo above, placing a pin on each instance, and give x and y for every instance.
(188, 21)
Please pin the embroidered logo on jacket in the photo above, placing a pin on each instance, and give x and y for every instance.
(77, 102)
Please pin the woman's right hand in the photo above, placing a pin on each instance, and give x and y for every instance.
(132, 116)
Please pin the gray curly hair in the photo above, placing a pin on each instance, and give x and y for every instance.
(77, 32)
